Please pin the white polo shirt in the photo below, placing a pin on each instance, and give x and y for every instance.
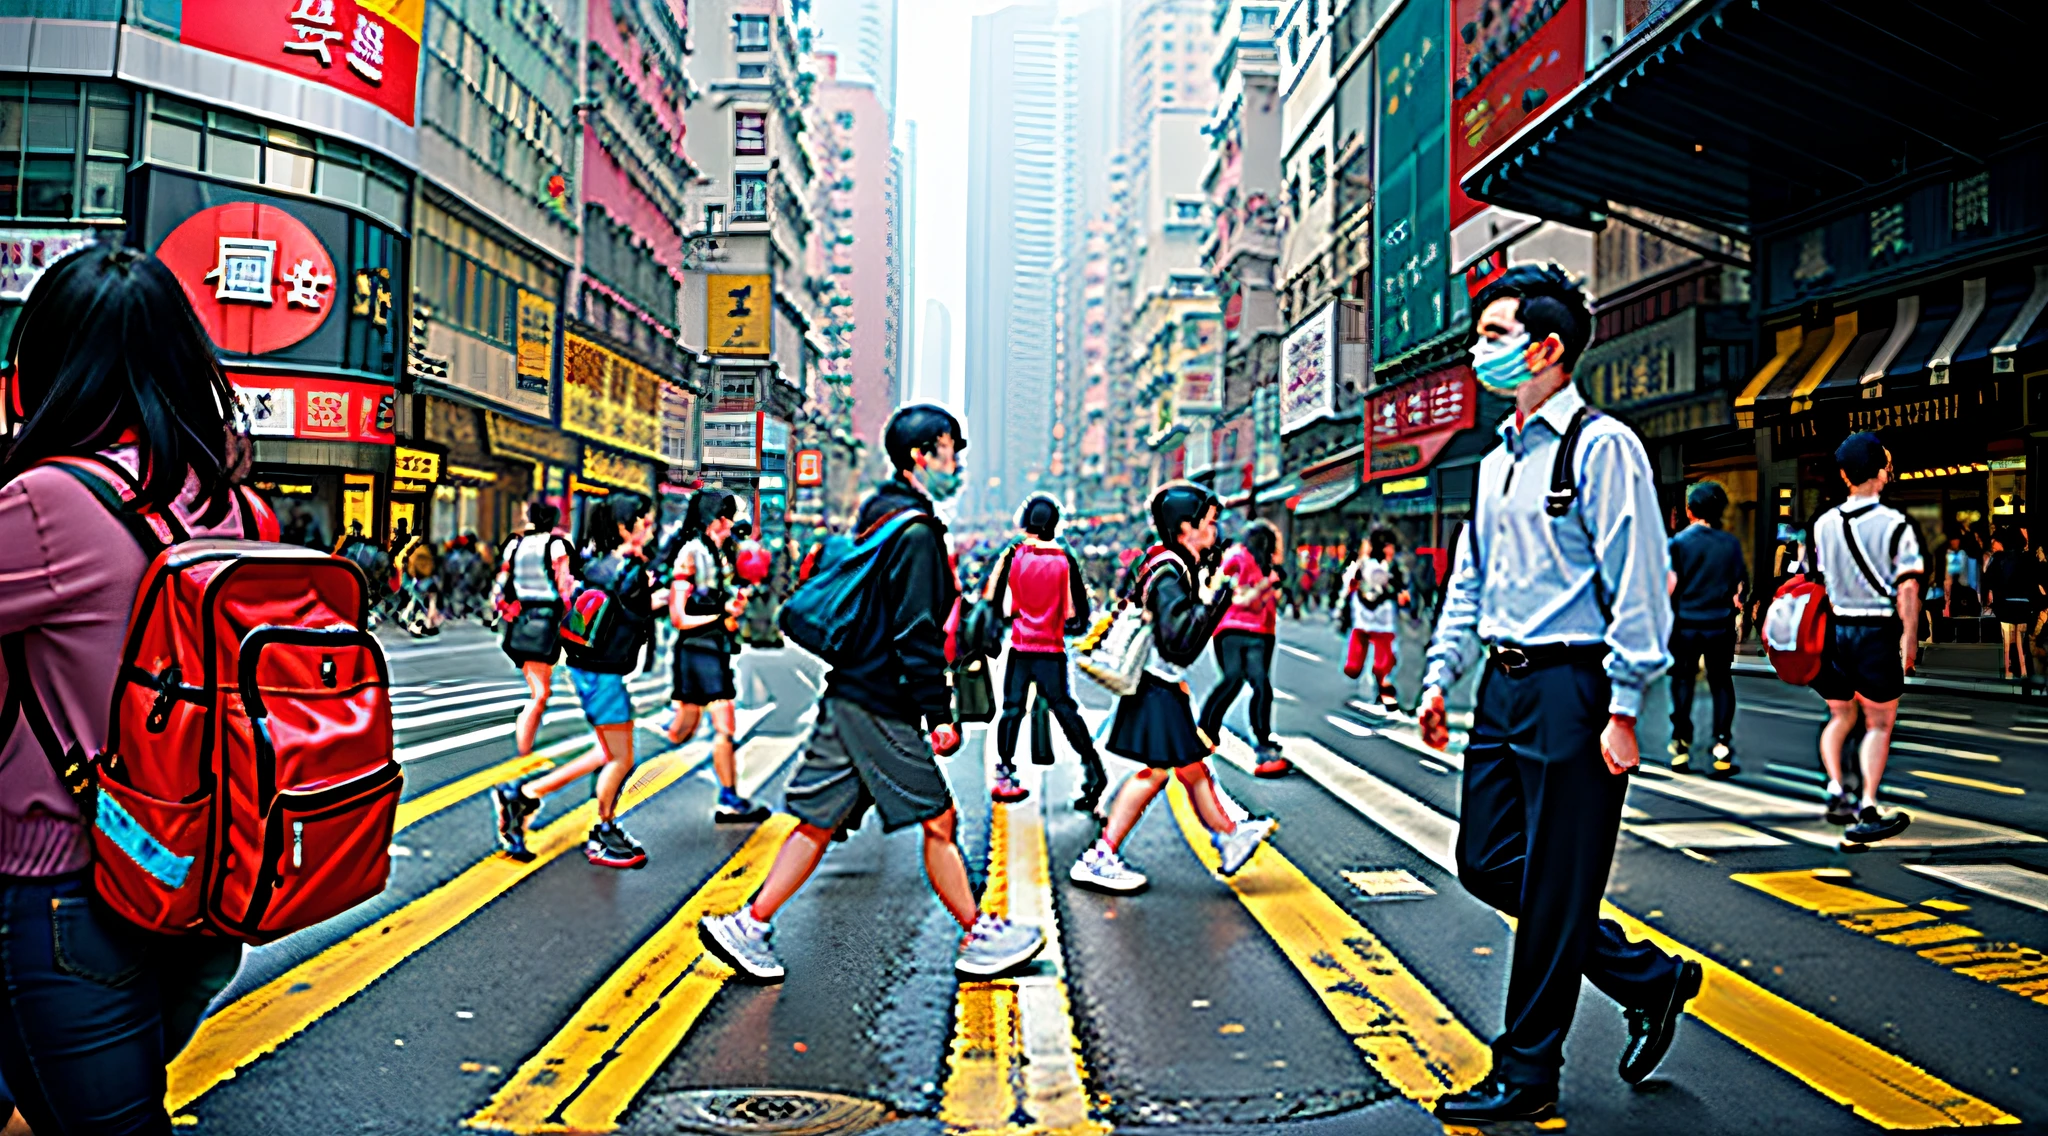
(1890, 547)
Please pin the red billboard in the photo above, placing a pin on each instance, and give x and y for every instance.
(1510, 60)
(1408, 425)
(319, 409)
(366, 48)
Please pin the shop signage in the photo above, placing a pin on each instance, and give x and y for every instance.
(536, 341)
(1653, 362)
(1683, 418)
(736, 311)
(513, 438)
(1308, 371)
(26, 253)
(366, 48)
(1508, 62)
(602, 467)
(611, 399)
(810, 467)
(1201, 387)
(317, 409)
(1415, 295)
(1925, 412)
(292, 281)
(1403, 486)
(1266, 432)
(733, 439)
(1407, 425)
(414, 470)
(358, 504)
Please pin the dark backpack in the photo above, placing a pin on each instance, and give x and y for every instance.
(834, 614)
(598, 629)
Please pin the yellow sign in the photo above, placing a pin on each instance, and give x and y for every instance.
(416, 465)
(603, 468)
(736, 314)
(611, 399)
(513, 438)
(358, 504)
(536, 337)
(1404, 485)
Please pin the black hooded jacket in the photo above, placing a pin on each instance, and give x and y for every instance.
(908, 680)
(1181, 623)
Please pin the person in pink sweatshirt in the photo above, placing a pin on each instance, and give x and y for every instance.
(107, 361)
(1244, 645)
(1039, 589)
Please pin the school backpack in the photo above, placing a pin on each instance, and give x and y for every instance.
(832, 613)
(593, 609)
(1796, 629)
(1115, 656)
(247, 788)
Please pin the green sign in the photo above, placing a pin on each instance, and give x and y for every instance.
(1416, 297)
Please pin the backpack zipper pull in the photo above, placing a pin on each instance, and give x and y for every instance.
(298, 844)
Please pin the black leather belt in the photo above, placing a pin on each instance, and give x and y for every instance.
(1516, 661)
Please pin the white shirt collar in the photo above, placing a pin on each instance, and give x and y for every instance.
(1557, 410)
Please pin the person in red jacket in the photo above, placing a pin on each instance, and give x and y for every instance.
(1038, 587)
(1244, 644)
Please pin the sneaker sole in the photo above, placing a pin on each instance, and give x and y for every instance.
(1266, 839)
(622, 865)
(755, 817)
(1272, 773)
(740, 969)
(1851, 836)
(1003, 968)
(1083, 880)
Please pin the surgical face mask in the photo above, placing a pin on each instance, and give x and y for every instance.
(1502, 364)
(941, 484)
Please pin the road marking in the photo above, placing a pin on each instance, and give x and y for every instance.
(1014, 1067)
(1283, 696)
(257, 1023)
(462, 788)
(1348, 726)
(1298, 653)
(445, 699)
(1433, 765)
(1879, 1086)
(1708, 835)
(420, 751)
(1944, 751)
(1406, 1033)
(2008, 882)
(1968, 782)
(587, 1075)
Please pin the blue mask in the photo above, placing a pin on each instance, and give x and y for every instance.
(1502, 365)
(941, 484)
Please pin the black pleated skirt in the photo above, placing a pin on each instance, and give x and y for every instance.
(1156, 725)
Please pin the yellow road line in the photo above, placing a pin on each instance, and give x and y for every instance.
(257, 1023)
(462, 788)
(584, 1078)
(1969, 782)
(1405, 1031)
(1814, 892)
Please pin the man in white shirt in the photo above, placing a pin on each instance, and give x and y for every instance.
(1869, 555)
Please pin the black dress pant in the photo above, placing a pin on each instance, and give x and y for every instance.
(1689, 645)
(1535, 841)
(1046, 670)
(1244, 657)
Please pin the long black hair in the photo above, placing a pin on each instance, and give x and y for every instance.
(106, 344)
(619, 509)
(1264, 542)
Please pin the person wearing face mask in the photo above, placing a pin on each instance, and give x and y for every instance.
(868, 748)
(1561, 576)
(1183, 587)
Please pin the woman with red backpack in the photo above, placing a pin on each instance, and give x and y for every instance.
(107, 361)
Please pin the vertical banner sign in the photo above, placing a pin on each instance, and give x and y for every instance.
(1308, 371)
(1411, 218)
(536, 341)
(1266, 433)
(810, 467)
(736, 314)
(1508, 62)
(366, 48)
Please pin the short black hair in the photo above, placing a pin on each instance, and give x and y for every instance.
(1861, 457)
(1707, 501)
(1381, 537)
(1178, 503)
(1551, 304)
(542, 515)
(918, 427)
(1040, 516)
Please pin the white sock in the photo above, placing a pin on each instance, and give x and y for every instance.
(1834, 788)
(1870, 800)
(1102, 846)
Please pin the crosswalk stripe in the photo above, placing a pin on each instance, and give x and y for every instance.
(259, 1022)
(1879, 1086)
(1406, 1032)
(584, 1078)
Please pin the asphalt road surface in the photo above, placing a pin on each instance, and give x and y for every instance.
(1337, 985)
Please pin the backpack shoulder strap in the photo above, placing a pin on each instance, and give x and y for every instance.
(1856, 549)
(153, 529)
(1564, 488)
(73, 767)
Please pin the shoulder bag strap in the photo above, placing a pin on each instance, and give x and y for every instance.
(1564, 487)
(1856, 552)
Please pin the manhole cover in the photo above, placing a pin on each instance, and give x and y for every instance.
(779, 1112)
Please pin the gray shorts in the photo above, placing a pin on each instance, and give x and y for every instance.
(858, 758)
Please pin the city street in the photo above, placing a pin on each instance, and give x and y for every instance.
(1340, 977)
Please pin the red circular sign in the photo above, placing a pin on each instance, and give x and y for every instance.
(257, 277)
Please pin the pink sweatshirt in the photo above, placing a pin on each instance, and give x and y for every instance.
(1259, 615)
(68, 574)
(1040, 598)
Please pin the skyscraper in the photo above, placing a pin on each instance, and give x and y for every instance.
(1019, 205)
(935, 369)
(863, 34)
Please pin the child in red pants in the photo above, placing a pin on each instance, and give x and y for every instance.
(1373, 590)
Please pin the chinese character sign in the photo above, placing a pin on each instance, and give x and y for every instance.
(610, 399)
(1415, 296)
(25, 253)
(323, 409)
(1308, 371)
(1509, 63)
(736, 311)
(258, 278)
(536, 341)
(1409, 424)
(366, 48)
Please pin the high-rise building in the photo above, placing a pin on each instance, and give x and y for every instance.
(860, 259)
(906, 250)
(935, 369)
(1080, 394)
(1019, 191)
(862, 33)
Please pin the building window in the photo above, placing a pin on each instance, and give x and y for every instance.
(749, 132)
(1294, 198)
(1318, 173)
(753, 70)
(1187, 211)
(64, 148)
(1186, 284)
(750, 33)
(750, 197)
(1294, 45)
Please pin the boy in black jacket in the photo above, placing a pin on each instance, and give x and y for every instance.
(868, 748)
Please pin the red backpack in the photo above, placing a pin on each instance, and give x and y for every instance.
(247, 788)
(1796, 629)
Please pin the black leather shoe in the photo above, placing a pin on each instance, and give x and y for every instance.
(1496, 1100)
(1650, 1031)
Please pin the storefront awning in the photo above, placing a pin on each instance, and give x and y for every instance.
(2001, 309)
(1873, 352)
(2027, 329)
(1974, 299)
(1323, 498)
(1800, 354)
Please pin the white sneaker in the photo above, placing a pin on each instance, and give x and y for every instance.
(996, 945)
(1100, 869)
(742, 941)
(1235, 848)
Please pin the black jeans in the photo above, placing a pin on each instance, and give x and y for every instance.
(1244, 657)
(1047, 670)
(96, 1007)
(1688, 646)
(1535, 841)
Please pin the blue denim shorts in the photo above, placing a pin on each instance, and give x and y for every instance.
(605, 702)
